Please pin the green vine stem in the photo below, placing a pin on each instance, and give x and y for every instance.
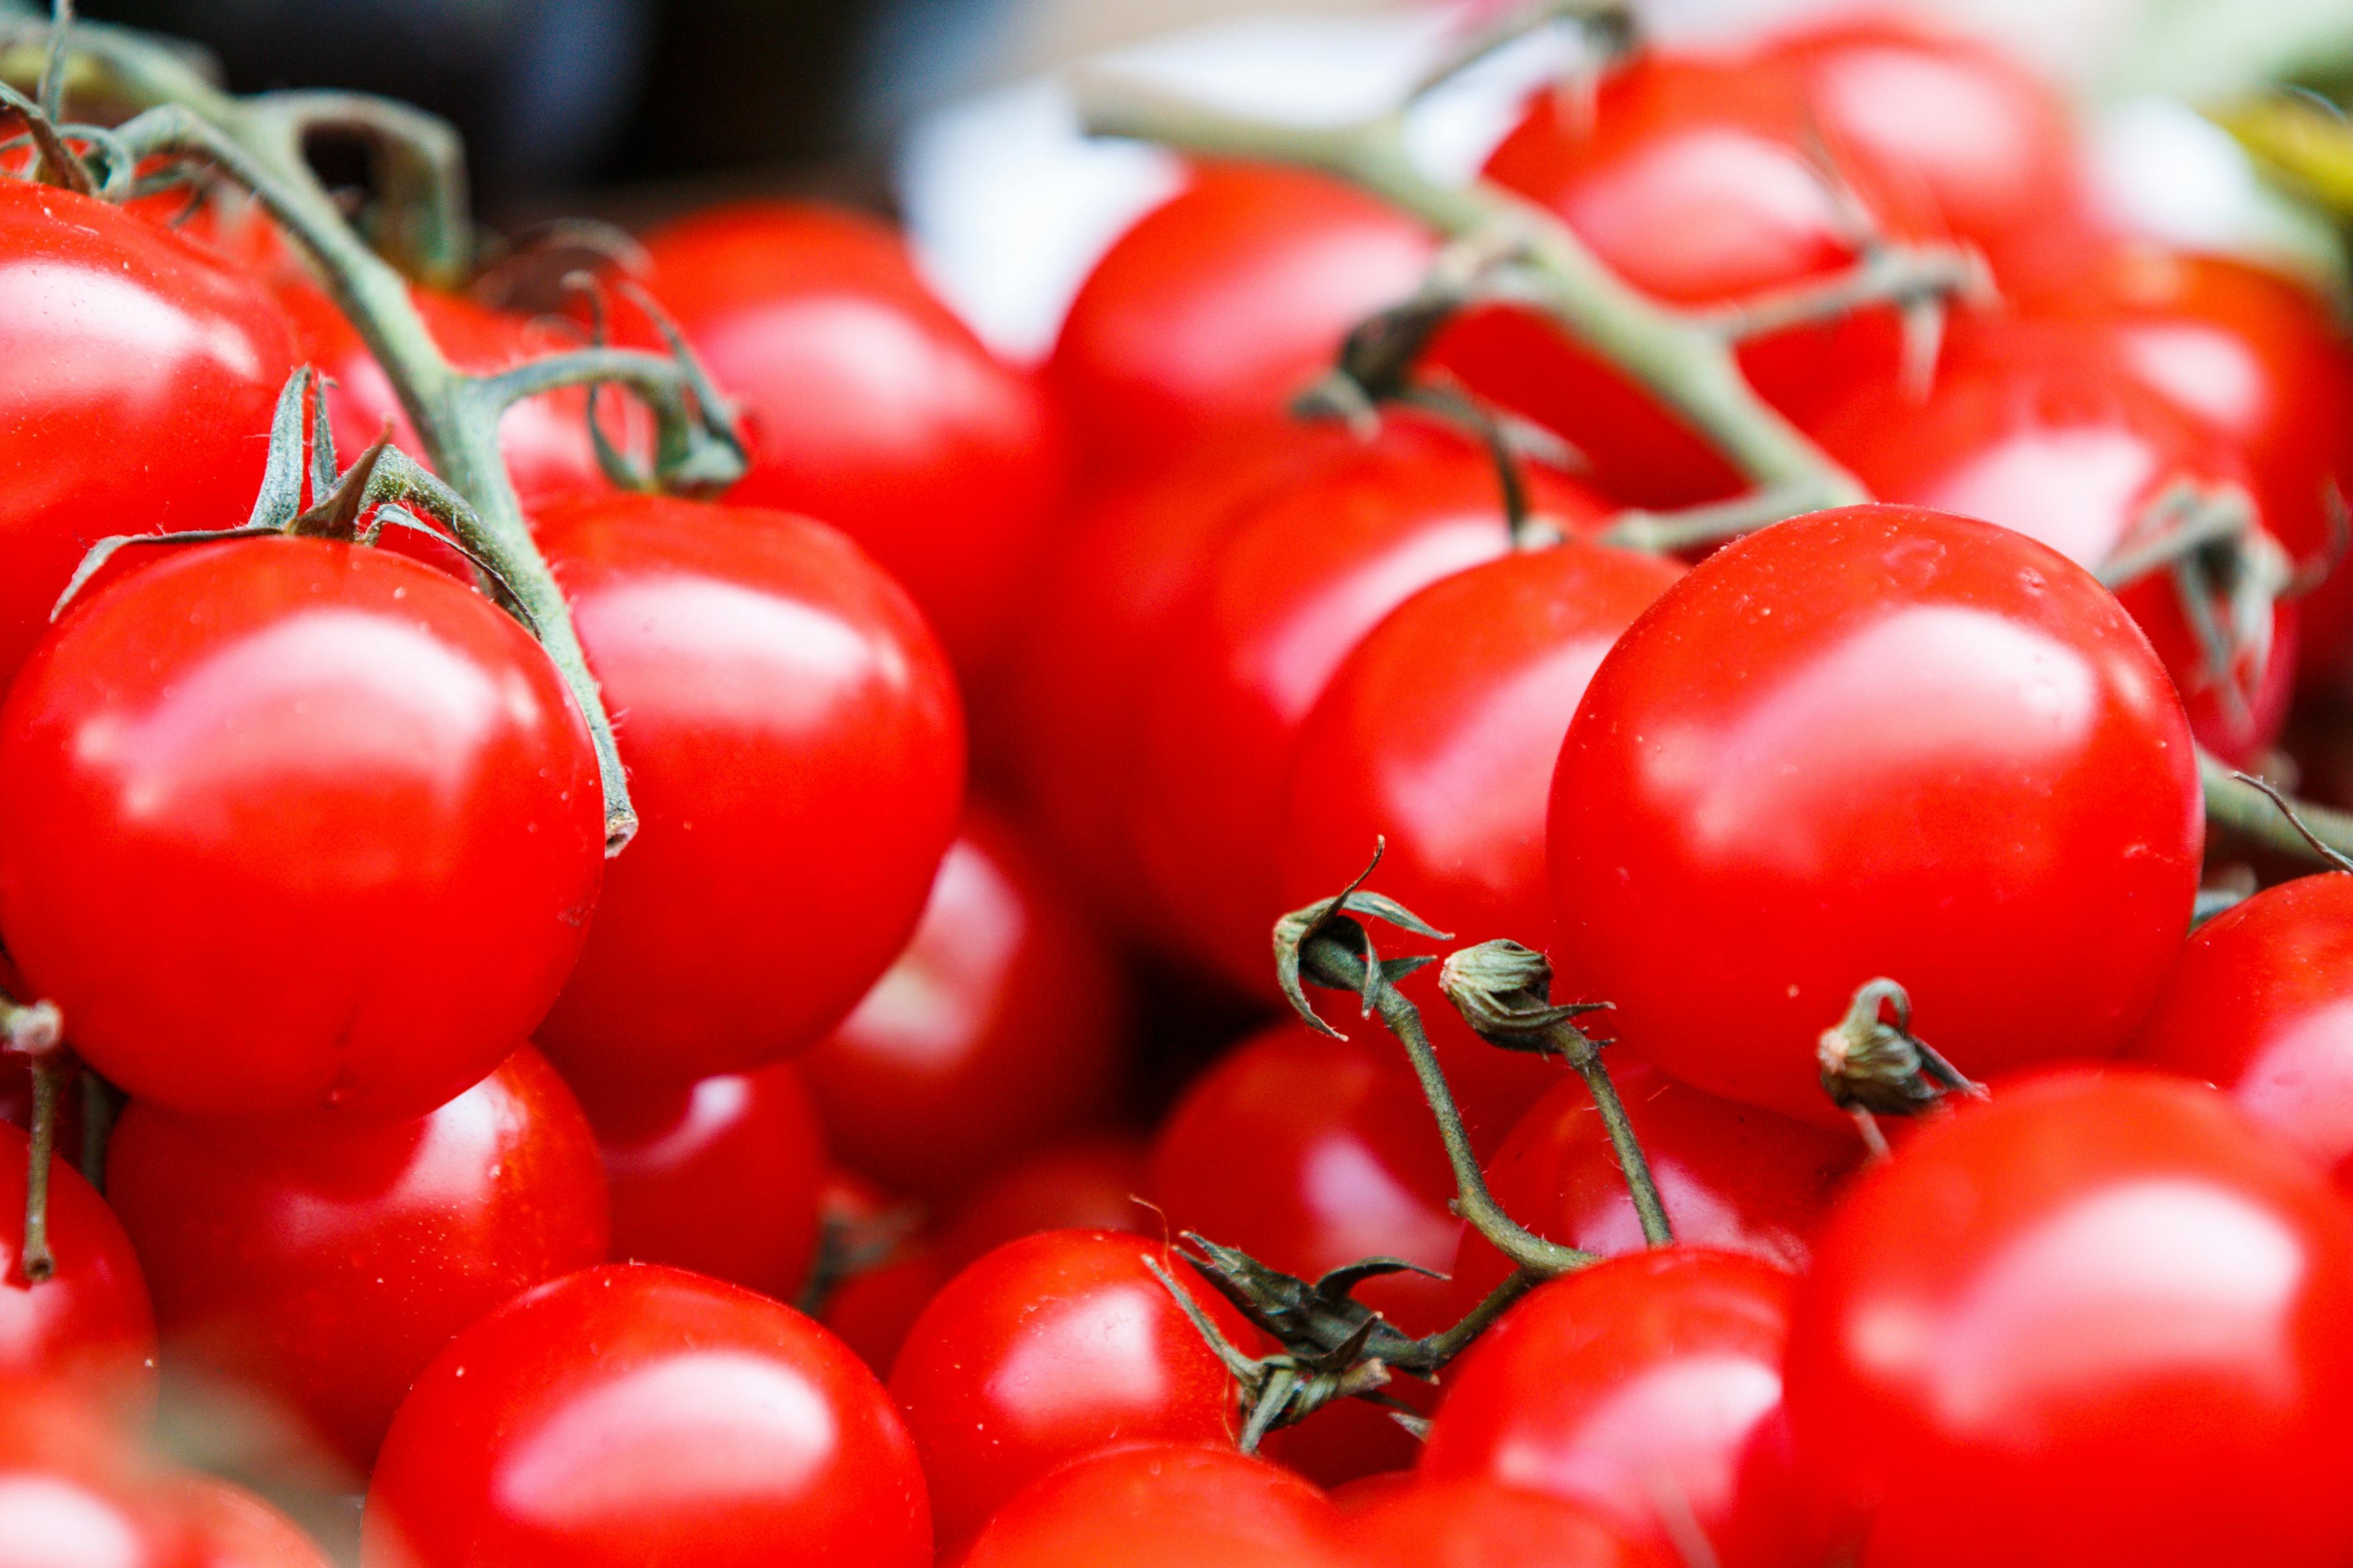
(2259, 810)
(34, 1031)
(258, 143)
(1684, 360)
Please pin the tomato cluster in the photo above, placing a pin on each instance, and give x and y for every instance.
(902, 1150)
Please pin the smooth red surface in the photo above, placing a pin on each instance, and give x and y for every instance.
(1874, 742)
(2259, 1004)
(73, 1494)
(1044, 1351)
(89, 1326)
(1093, 1182)
(645, 1417)
(795, 752)
(234, 1529)
(1002, 1024)
(142, 373)
(869, 405)
(314, 1268)
(721, 1177)
(1648, 1389)
(2106, 1311)
(279, 742)
(1165, 1506)
(1478, 1524)
(1730, 1176)
(1436, 738)
(1214, 309)
(1309, 570)
(2045, 427)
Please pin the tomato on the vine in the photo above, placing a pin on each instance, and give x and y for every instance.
(1873, 743)
(89, 1326)
(640, 1417)
(796, 753)
(310, 1269)
(1461, 1523)
(2106, 1312)
(1164, 1505)
(288, 824)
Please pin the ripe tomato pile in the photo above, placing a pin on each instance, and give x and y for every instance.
(1314, 934)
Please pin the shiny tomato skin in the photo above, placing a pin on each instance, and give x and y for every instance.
(640, 1416)
(1042, 1352)
(1203, 321)
(1477, 1523)
(544, 439)
(1436, 738)
(1003, 1025)
(1731, 1178)
(1093, 1182)
(142, 373)
(90, 1326)
(869, 405)
(1164, 1505)
(2259, 1004)
(795, 752)
(1874, 742)
(2044, 426)
(319, 741)
(232, 1528)
(1309, 569)
(721, 1177)
(1646, 1386)
(2104, 1310)
(74, 1494)
(316, 1269)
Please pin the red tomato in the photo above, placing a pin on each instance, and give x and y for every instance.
(313, 1270)
(1308, 571)
(235, 1529)
(1164, 1505)
(1085, 1184)
(869, 405)
(1002, 1024)
(1874, 742)
(2261, 1006)
(141, 375)
(646, 1417)
(721, 1177)
(74, 1495)
(796, 757)
(2039, 426)
(1730, 1176)
(872, 1308)
(1648, 1389)
(2102, 1310)
(1438, 734)
(1131, 560)
(1044, 1351)
(89, 1325)
(1209, 315)
(544, 439)
(1479, 1524)
(321, 741)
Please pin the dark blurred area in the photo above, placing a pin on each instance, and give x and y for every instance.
(561, 98)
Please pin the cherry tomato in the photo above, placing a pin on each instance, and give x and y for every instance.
(2039, 427)
(313, 1270)
(2105, 1312)
(74, 1495)
(1083, 1184)
(277, 740)
(868, 405)
(1002, 1024)
(1729, 1175)
(1308, 571)
(644, 1416)
(1875, 742)
(544, 439)
(1438, 735)
(1475, 1524)
(141, 375)
(721, 1177)
(1164, 1505)
(89, 1325)
(1648, 1389)
(234, 1529)
(2261, 1006)
(795, 752)
(1133, 557)
(897, 1268)
(1211, 314)
(1041, 1352)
